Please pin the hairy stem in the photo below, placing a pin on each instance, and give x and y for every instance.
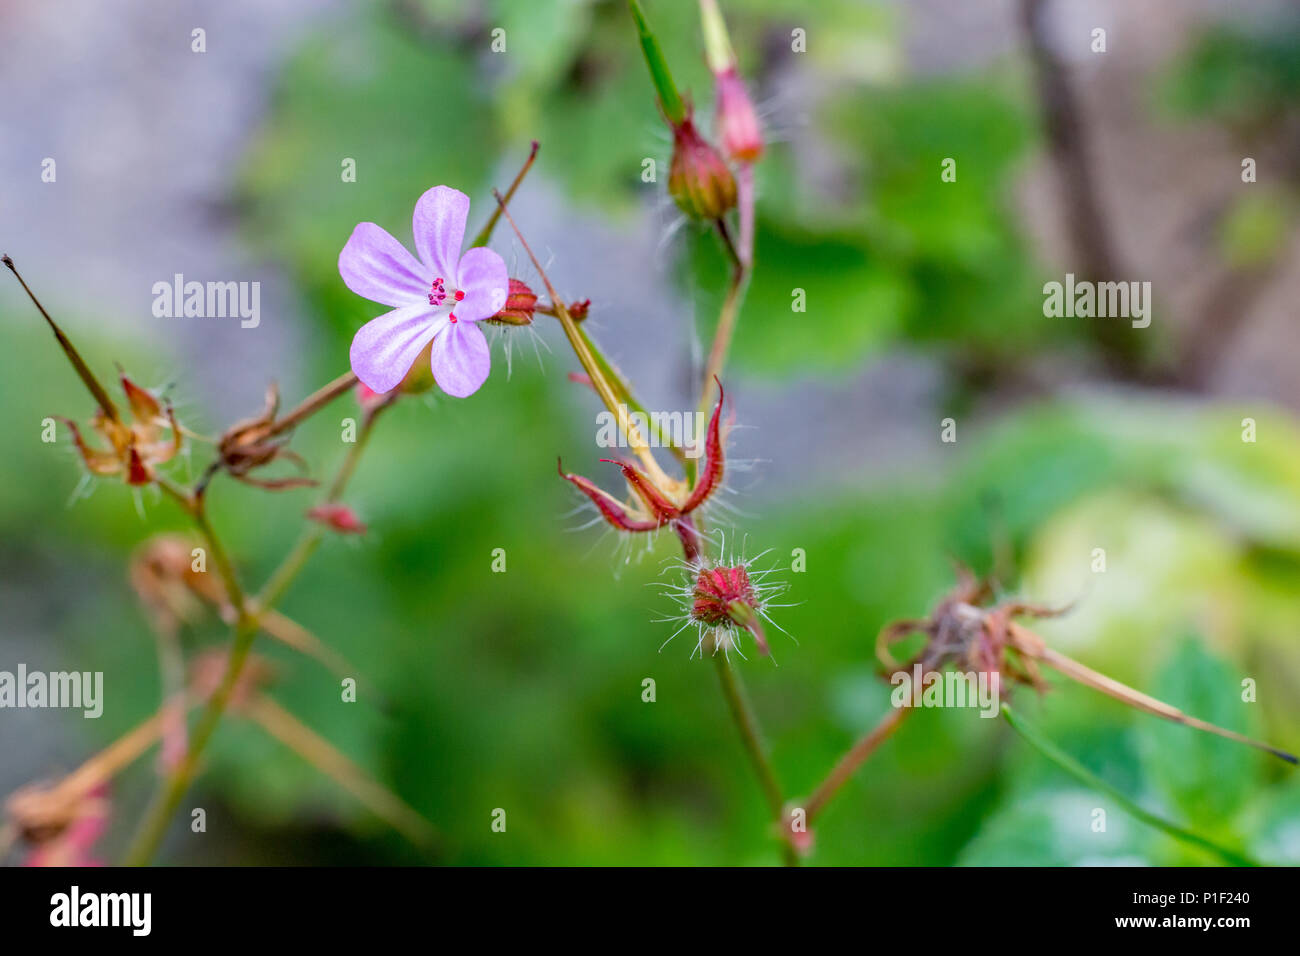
(485, 234)
(78, 363)
(582, 349)
(314, 403)
(726, 322)
(733, 692)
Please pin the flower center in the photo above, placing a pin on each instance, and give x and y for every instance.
(438, 295)
(437, 292)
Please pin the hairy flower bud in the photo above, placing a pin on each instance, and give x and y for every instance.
(698, 179)
(737, 123)
(521, 302)
(721, 594)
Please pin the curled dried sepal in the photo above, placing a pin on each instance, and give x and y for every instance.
(655, 506)
(252, 444)
(961, 631)
(163, 577)
(610, 507)
(136, 447)
(654, 499)
(710, 477)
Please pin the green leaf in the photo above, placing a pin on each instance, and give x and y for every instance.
(1206, 777)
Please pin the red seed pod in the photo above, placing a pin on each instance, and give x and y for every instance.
(521, 303)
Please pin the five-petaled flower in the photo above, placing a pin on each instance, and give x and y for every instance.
(439, 298)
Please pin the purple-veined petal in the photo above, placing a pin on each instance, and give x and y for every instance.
(376, 266)
(384, 349)
(439, 228)
(482, 276)
(460, 359)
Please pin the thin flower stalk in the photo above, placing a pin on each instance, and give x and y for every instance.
(325, 757)
(582, 349)
(163, 806)
(848, 765)
(1091, 780)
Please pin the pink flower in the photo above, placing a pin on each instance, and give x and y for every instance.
(440, 297)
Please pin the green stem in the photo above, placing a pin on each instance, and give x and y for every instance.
(623, 391)
(78, 363)
(752, 737)
(485, 233)
(670, 100)
(164, 803)
(168, 798)
(1089, 779)
(726, 322)
(851, 761)
(283, 576)
(582, 348)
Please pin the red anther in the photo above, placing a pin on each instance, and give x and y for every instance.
(453, 318)
(459, 295)
(436, 292)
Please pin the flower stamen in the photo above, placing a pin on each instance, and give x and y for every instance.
(438, 292)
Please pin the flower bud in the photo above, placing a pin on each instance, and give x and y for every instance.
(338, 518)
(737, 122)
(578, 310)
(368, 398)
(420, 378)
(723, 594)
(521, 302)
(698, 179)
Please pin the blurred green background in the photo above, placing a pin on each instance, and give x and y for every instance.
(522, 690)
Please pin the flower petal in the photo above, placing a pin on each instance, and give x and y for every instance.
(439, 228)
(384, 349)
(482, 276)
(376, 266)
(460, 359)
